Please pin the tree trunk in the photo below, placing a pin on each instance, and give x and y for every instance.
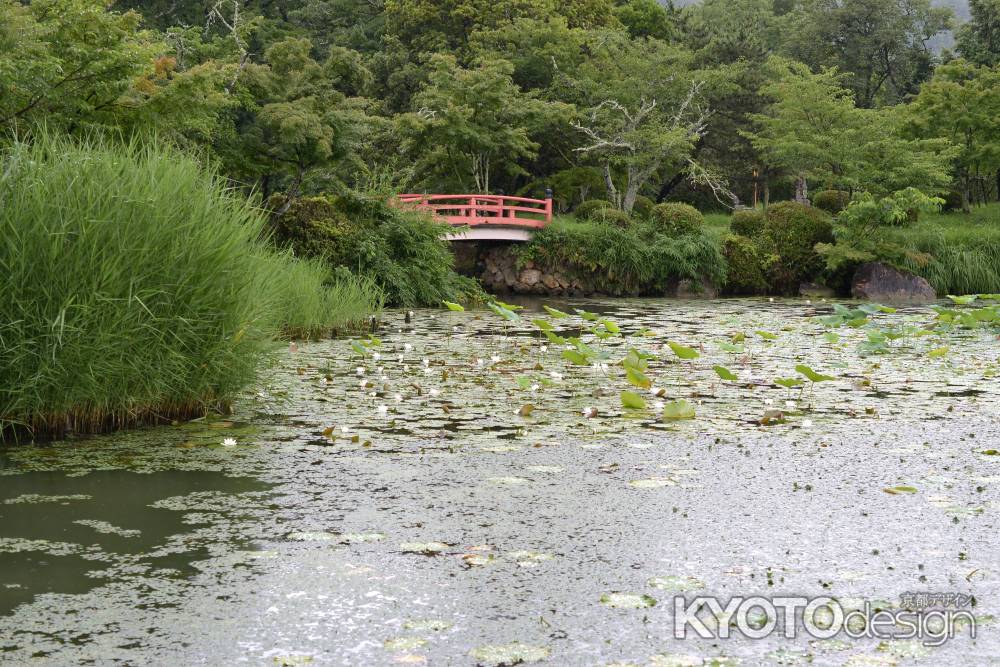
(767, 193)
(998, 185)
(966, 205)
(609, 183)
(801, 190)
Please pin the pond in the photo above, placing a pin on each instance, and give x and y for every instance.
(461, 490)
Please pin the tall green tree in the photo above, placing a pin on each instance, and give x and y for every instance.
(636, 131)
(881, 45)
(962, 104)
(473, 125)
(813, 131)
(979, 38)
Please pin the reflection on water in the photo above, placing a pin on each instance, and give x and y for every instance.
(58, 532)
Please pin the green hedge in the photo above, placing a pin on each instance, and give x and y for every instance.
(832, 201)
(585, 210)
(791, 232)
(747, 222)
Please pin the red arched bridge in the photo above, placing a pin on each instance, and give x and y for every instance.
(487, 217)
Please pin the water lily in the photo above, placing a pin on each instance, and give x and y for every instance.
(556, 375)
(479, 363)
(426, 363)
(768, 401)
(376, 356)
(407, 347)
(590, 412)
(534, 387)
(807, 423)
(435, 392)
(360, 370)
(398, 398)
(495, 358)
(383, 410)
(544, 349)
(790, 405)
(659, 405)
(229, 442)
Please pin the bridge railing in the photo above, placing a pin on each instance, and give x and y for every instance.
(477, 210)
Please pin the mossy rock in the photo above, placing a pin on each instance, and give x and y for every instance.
(832, 201)
(791, 232)
(677, 220)
(747, 222)
(585, 210)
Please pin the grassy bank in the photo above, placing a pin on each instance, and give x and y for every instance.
(137, 289)
(956, 253)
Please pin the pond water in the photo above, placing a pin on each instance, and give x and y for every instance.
(459, 492)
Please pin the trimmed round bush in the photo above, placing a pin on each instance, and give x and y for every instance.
(747, 266)
(747, 222)
(677, 220)
(643, 206)
(832, 201)
(612, 216)
(585, 210)
(138, 288)
(791, 232)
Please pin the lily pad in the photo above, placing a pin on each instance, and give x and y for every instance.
(627, 600)
(498, 655)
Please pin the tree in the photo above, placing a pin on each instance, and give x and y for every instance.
(295, 117)
(647, 18)
(881, 45)
(813, 130)
(67, 62)
(962, 104)
(633, 131)
(447, 25)
(979, 38)
(471, 124)
(806, 129)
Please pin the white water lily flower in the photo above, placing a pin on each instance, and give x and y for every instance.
(398, 398)
(363, 383)
(655, 391)
(383, 410)
(495, 358)
(544, 349)
(360, 370)
(407, 347)
(376, 356)
(480, 362)
(406, 368)
(555, 375)
(435, 392)
(771, 299)
(790, 405)
(590, 412)
(534, 387)
(428, 371)
(426, 362)
(768, 401)
(454, 329)
(229, 442)
(659, 405)
(344, 429)
(807, 423)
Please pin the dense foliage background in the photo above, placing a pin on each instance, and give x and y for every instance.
(612, 99)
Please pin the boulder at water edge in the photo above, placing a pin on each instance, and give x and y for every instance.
(876, 281)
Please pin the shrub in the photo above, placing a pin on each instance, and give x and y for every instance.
(611, 216)
(136, 289)
(747, 266)
(639, 259)
(677, 220)
(832, 201)
(791, 232)
(747, 222)
(643, 207)
(585, 210)
(402, 252)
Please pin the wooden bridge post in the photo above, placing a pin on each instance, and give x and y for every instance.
(548, 205)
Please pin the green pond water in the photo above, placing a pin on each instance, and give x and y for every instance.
(460, 492)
